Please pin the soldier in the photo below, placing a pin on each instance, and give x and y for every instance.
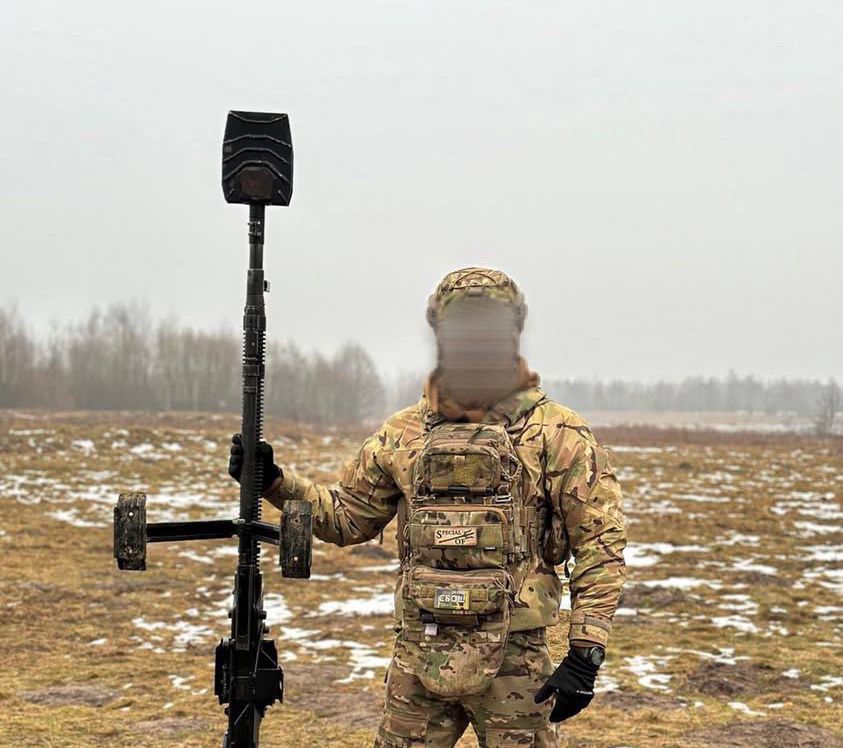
(494, 485)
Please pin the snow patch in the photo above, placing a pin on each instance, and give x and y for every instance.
(682, 583)
(736, 622)
(645, 668)
(71, 516)
(739, 706)
(85, 446)
(380, 604)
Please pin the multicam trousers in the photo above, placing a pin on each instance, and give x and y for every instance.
(503, 716)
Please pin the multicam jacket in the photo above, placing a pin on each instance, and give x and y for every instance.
(567, 478)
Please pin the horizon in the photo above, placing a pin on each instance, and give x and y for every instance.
(393, 377)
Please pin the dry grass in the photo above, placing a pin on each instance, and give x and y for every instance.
(92, 656)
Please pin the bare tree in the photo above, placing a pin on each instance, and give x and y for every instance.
(406, 390)
(17, 360)
(109, 359)
(287, 377)
(828, 408)
(195, 370)
(357, 392)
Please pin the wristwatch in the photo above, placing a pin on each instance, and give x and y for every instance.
(595, 655)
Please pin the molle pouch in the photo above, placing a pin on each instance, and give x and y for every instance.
(466, 510)
(460, 467)
(455, 628)
(466, 459)
(461, 536)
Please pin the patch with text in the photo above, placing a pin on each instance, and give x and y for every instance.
(450, 599)
(455, 536)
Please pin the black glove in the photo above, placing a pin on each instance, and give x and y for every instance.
(271, 471)
(573, 685)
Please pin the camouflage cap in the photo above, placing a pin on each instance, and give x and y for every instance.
(473, 282)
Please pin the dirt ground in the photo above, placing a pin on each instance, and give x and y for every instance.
(729, 632)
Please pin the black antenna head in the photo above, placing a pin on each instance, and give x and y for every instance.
(257, 158)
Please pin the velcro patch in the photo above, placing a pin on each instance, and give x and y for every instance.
(451, 599)
(455, 536)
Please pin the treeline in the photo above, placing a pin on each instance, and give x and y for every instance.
(118, 359)
(733, 393)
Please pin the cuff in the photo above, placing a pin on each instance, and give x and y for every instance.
(286, 486)
(588, 628)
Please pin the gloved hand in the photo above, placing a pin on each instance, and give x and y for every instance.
(271, 471)
(573, 685)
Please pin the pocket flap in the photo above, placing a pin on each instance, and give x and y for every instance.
(469, 593)
(462, 467)
(452, 528)
(404, 725)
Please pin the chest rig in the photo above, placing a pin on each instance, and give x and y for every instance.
(467, 540)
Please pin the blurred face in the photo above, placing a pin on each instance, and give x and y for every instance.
(477, 341)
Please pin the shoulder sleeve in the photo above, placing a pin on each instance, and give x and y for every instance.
(585, 499)
(360, 505)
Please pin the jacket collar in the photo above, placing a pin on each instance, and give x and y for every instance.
(435, 409)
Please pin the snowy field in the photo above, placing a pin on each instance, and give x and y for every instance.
(729, 632)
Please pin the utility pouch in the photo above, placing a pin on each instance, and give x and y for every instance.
(456, 626)
(461, 536)
(466, 509)
(452, 465)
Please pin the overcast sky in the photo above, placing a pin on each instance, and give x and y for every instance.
(664, 179)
